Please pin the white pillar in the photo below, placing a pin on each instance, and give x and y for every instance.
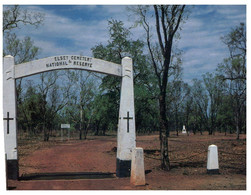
(184, 129)
(126, 125)
(212, 160)
(10, 119)
(137, 168)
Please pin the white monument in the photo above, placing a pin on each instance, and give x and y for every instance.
(126, 125)
(184, 129)
(212, 160)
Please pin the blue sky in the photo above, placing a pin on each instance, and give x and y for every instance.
(76, 29)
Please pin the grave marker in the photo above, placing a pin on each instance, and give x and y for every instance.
(138, 169)
(184, 129)
(212, 160)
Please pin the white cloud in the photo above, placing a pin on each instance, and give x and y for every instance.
(50, 49)
(82, 35)
(200, 38)
(200, 35)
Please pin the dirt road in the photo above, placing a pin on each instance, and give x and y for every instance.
(188, 156)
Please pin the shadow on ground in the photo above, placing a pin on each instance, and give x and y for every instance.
(65, 176)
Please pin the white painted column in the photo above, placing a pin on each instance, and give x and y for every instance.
(10, 118)
(212, 160)
(138, 169)
(184, 129)
(126, 126)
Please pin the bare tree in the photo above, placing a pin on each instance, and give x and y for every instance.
(14, 16)
(167, 22)
(53, 100)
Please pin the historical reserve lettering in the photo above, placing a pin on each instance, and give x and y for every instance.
(71, 60)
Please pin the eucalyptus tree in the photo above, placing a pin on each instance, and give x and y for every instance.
(81, 92)
(178, 95)
(201, 100)
(233, 71)
(30, 118)
(167, 23)
(16, 17)
(120, 45)
(55, 94)
(215, 90)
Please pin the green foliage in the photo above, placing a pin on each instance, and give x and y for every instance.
(121, 45)
(233, 72)
(215, 90)
(90, 102)
(31, 116)
(16, 17)
(23, 50)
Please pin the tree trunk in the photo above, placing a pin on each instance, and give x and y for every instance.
(80, 134)
(85, 134)
(165, 163)
(176, 122)
(237, 126)
(97, 128)
(164, 134)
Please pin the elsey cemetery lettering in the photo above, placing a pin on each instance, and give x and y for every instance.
(70, 60)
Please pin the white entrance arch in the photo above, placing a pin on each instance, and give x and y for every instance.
(126, 123)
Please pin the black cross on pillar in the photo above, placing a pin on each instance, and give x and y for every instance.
(8, 120)
(127, 118)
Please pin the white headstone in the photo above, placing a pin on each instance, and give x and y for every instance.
(184, 129)
(137, 167)
(212, 159)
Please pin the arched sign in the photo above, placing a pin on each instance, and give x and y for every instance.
(67, 62)
(126, 122)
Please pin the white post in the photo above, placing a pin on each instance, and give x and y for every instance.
(10, 118)
(212, 160)
(137, 169)
(126, 125)
(184, 129)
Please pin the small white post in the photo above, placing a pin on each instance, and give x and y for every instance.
(212, 160)
(184, 129)
(137, 167)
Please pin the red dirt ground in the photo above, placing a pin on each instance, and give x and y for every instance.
(188, 155)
